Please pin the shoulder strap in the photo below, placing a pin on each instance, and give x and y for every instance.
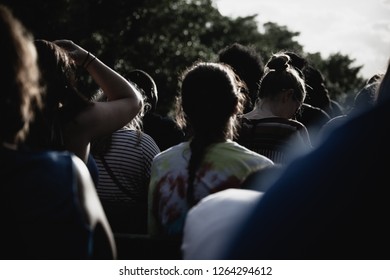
(114, 178)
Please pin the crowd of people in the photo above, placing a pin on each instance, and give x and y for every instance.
(258, 161)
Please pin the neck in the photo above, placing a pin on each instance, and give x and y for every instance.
(262, 110)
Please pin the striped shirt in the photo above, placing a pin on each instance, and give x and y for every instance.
(129, 158)
(274, 137)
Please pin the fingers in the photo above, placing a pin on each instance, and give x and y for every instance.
(66, 44)
(75, 51)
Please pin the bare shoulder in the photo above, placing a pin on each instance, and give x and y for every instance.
(104, 243)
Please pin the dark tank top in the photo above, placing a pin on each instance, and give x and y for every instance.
(40, 209)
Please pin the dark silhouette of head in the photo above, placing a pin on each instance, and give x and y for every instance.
(281, 75)
(248, 65)
(298, 61)
(365, 98)
(209, 102)
(317, 93)
(210, 98)
(148, 87)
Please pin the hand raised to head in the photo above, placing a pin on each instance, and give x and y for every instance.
(75, 51)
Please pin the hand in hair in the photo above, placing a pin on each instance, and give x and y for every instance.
(81, 56)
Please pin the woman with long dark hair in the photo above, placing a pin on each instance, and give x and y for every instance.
(210, 161)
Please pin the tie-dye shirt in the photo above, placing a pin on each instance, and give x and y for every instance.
(225, 165)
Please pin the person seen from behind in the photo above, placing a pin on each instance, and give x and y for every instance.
(248, 65)
(209, 103)
(49, 207)
(124, 160)
(330, 204)
(162, 128)
(271, 123)
(69, 120)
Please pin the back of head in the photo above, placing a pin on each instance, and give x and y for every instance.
(317, 93)
(210, 100)
(148, 86)
(247, 64)
(210, 97)
(280, 75)
(20, 78)
(57, 70)
(62, 101)
(365, 98)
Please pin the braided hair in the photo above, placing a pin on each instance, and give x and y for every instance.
(208, 105)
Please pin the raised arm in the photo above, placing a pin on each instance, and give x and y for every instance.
(124, 100)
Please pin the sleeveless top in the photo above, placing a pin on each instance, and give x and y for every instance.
(40, 209)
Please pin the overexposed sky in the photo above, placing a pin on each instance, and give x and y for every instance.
(357, 28)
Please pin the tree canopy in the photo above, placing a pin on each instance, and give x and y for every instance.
(163, 37)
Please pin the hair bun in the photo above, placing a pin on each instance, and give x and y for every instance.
(278, 62)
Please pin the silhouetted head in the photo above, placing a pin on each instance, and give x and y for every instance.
(365, 98)
(297, 61)
(317, 93)
(247, 64)
(209, 102)
(210, 99)
(148, 87)
(58, 75)
(280, 76)
(20, 91)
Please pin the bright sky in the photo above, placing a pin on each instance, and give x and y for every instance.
(357, 28)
